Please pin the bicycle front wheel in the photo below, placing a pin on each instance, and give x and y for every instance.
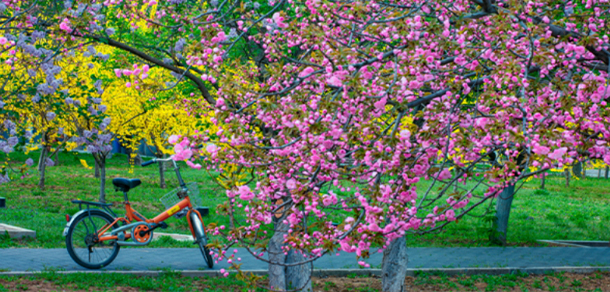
(202, 240)
(83, 244)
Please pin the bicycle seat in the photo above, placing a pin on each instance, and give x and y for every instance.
(124, 184)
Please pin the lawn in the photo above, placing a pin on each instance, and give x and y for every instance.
(173, 281)
(578, 212)
(44, 211)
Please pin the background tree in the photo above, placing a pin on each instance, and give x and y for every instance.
(164, 114)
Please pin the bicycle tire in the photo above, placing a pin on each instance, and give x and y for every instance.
(77, 245)
(202, 241)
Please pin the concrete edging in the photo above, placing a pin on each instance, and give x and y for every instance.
(16, 232)
(344, 272)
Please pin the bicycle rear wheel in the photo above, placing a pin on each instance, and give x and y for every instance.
(82, 243)
(202, 240)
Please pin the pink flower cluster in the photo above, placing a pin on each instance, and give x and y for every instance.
(139, 74)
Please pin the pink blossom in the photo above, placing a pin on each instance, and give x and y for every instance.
(414, 84)
(182, 153)
(291, 184)
(192, 165)
(334, 81)
(329, 200)
(306, 71)
(3, 40)
(221, 37)
(245, 193)
(279, 20)
(345, 246)
(374, 227)
(380, 105)
(450, 215)
(558, 153)
(540, 150)
(118, 73)
(65, 25)
(173, 139)
(211, 148)
(444, 174)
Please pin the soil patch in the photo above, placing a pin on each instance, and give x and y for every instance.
(599, 281)
(23, 284)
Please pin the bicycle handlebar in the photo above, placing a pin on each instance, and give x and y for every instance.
(147, 163)
(164, 159)
(155, 160)
(176, 168)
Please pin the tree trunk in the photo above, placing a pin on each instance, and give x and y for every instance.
(162, 183)
(394, 266)
(607, 170)
(277, 272)
(42, 166)
(567, 174)
(298, 277)
(57, 157)
(97, 169)
(599, 173)
(578, 169)
(101, 161)
(505, 200)
(135, 158)
(542, 180)
(42, 158)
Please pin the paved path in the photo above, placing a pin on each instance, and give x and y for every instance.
(595, 173)
(143, 259)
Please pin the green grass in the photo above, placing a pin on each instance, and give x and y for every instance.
(578, 212)
(44, 211)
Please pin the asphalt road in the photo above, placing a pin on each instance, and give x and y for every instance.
(142, 259)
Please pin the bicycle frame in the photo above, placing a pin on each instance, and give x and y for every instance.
(132, 217)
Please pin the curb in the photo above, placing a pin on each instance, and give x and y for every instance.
(342, 272)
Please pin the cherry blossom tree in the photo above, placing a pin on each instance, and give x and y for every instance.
(369, 112)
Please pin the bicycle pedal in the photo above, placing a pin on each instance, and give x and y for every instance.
(163, 225)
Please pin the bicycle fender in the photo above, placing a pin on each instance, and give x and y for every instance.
(193, 212)
(65, 233)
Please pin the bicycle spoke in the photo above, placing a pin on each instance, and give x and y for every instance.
(84, 244)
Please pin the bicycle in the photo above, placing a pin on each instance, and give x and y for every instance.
(94, 236)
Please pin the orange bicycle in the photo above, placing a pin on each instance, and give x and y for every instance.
(95, 235)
